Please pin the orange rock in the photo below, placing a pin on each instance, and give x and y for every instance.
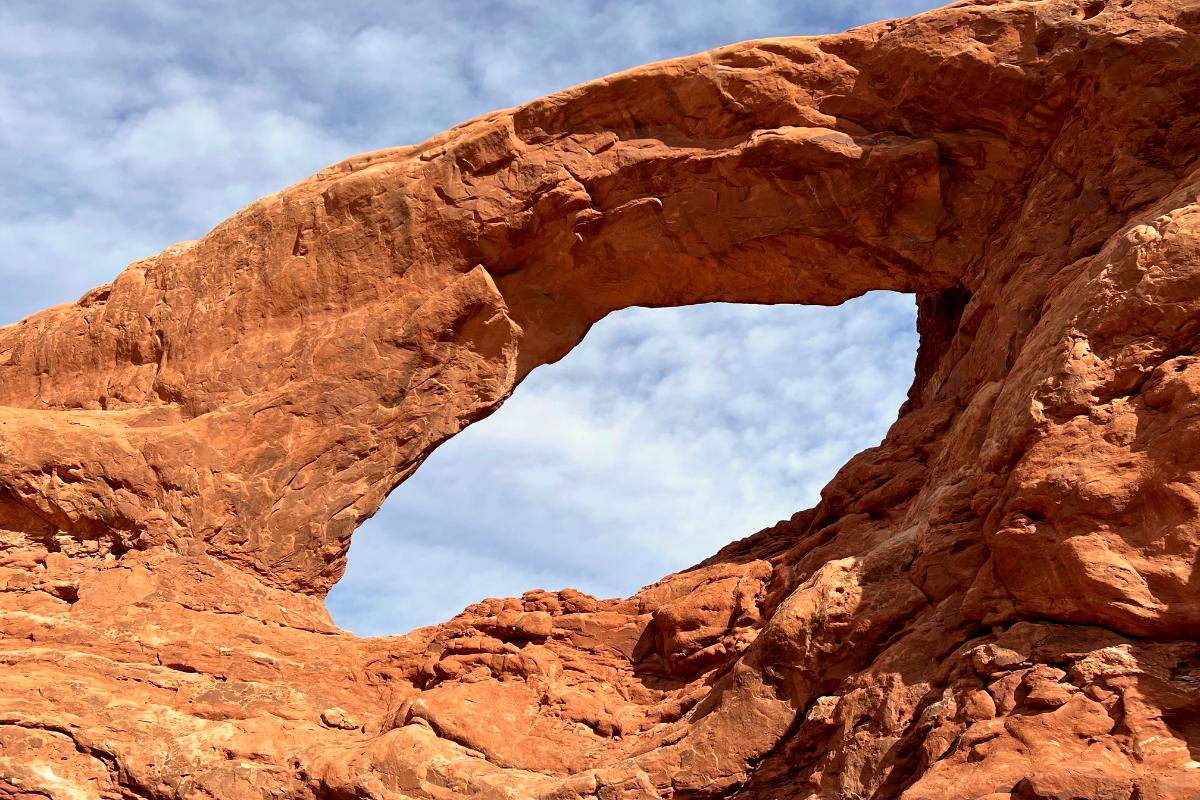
(998, 601)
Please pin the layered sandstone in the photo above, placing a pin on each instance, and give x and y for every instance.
(1001, 600)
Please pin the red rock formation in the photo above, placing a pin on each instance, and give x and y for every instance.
(1001, 600)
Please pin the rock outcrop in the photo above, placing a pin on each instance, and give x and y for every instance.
(1001, 600)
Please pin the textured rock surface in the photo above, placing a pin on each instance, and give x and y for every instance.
(1001, 600)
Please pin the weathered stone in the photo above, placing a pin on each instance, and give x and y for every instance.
(1000, 600)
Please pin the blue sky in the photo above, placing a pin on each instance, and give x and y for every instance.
(127, 126)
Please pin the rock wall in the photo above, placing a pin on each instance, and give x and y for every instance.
(1001, 600)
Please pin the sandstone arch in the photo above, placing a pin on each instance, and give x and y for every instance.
(518, 231)
(185, 452)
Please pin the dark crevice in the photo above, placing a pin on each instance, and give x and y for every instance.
(938, 317)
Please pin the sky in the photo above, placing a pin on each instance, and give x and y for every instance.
(126, 126)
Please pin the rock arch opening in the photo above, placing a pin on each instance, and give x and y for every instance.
(662, 436)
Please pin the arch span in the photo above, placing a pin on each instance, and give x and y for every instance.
(309, 352)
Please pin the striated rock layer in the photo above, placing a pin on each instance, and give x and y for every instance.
(1001, 600)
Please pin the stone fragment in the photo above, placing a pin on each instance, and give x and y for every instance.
(338, 718)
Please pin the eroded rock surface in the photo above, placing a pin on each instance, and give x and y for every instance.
(1001, 600)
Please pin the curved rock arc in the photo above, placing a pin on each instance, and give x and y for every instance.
(999, 600)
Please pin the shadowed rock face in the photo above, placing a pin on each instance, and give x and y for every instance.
(1001, 600)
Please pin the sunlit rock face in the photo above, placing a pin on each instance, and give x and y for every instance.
(1000, 600)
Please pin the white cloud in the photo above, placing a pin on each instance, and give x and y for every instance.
(125, 127)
